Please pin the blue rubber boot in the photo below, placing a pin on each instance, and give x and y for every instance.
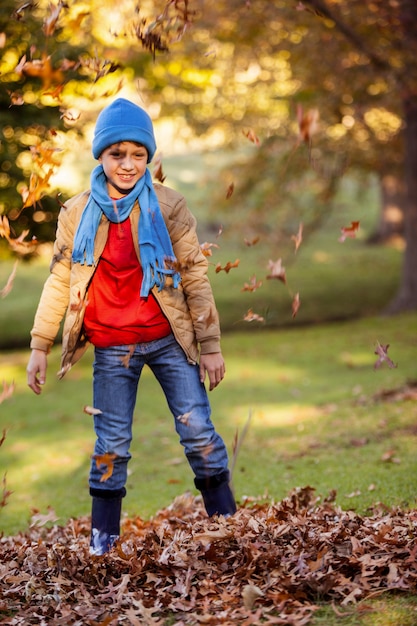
(217, 495)
(105, 519)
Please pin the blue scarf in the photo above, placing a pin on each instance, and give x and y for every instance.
(154, 242)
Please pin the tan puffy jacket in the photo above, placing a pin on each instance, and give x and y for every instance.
(190, 308)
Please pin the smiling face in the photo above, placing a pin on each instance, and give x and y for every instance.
(124, 164)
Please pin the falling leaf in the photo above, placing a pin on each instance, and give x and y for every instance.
(105, 459)
(18, 13)
(50, 22)
(206, 248)
(9, 284)
(229, 265)
(39, 519)
(158, 173)
(238, 441)
(307, 123)
(56, 92)
(249, 134)
(70, 116)
(98, 67)
(382, 352)
(251, 242)
(90, 410)
(250, 316)
(181, 265)
(252, 285)
(7, 392)
(40, 68)
(298, 238)
(16, 98)
(295, 304)
(276, 270)
(6, 493)
(230, 191)
(4, 227)
(349, 231)
(38, 186)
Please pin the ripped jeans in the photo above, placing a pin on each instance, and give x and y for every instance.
(116, 376)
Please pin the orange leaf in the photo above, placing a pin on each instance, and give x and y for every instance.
(229, 265)
(349, 231)
(105, 459)
(206, 248)
(230, 190)
(251, 242)
(307, 123)
(249, 134)
(253, 284)
(250, 316)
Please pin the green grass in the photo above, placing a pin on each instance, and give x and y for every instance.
(316, 418)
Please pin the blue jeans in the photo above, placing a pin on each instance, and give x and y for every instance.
(115, 383)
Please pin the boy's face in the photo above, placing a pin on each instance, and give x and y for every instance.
(124, 164)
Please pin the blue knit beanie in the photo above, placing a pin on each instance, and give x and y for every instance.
(123, 120)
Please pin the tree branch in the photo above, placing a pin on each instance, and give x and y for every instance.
(323, 10)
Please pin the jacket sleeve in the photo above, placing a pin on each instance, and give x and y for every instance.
(55, 295)
(194, 279)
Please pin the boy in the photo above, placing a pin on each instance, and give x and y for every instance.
(129, 276)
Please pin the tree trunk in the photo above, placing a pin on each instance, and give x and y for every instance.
(391, 221)
(406, 298)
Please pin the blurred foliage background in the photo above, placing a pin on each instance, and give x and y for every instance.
(295, 97)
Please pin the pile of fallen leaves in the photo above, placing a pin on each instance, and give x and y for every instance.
(268, 564)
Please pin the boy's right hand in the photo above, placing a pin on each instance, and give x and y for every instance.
(36, 370)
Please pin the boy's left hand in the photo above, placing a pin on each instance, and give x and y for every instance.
(213, 365)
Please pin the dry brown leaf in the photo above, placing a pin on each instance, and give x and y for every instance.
(226, 268)
(276, 270)
(90, 410)
(194, 569)
(250, 316)
(250, 594)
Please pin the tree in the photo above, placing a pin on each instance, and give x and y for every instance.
(57, 67)
(398, 21)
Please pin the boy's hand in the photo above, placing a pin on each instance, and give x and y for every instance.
(36, 370)
(213, 365)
